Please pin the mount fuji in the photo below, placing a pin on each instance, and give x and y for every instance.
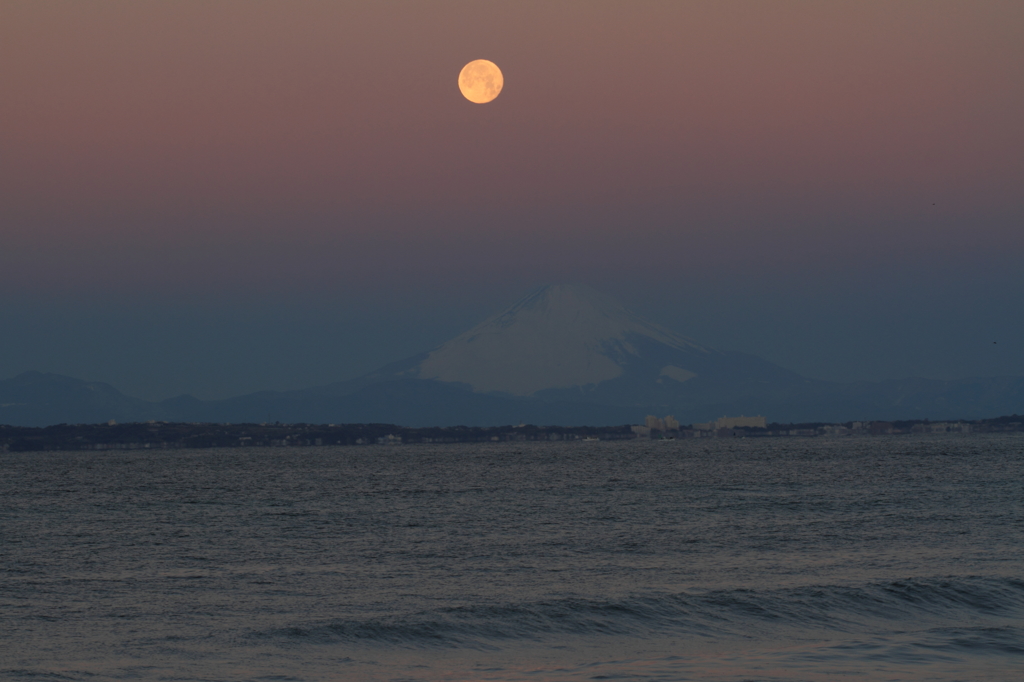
(571, 343)
(561, 337)
(566, 354)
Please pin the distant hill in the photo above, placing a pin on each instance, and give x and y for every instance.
(565, 354)
(37, 399)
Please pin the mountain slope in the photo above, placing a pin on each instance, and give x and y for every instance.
(571, 343)
(41, 399)
(559, 337)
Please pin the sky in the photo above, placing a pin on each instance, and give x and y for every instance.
(217, 198)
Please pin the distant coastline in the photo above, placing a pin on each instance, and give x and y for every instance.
(164, 435)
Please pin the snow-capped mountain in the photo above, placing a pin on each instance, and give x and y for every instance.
(561, 336)
(572, 343)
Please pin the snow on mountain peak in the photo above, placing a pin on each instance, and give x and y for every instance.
(560, 336)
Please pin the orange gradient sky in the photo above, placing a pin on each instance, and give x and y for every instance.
(194, 148)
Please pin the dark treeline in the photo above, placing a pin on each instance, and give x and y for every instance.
(165, 435)
(158, 435)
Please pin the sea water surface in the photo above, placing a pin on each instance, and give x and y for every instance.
(884, 558)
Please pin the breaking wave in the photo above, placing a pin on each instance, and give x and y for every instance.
(938, 606)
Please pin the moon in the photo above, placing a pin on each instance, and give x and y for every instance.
(480, 81)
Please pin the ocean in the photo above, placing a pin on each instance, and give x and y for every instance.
(873, 558)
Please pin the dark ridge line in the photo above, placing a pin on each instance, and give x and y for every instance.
(154, 435)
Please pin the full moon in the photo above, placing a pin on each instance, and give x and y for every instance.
(480, 81)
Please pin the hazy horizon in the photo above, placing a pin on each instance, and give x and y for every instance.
(309, 330)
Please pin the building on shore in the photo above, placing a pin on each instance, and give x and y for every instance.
(654, 423)
(757, 422)
(669, 423)
(719, 427)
